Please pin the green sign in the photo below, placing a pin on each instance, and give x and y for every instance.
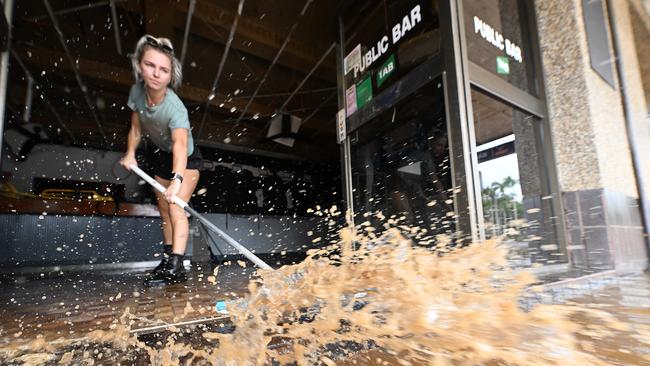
(503, 67)
(364, 92)
(386, 70)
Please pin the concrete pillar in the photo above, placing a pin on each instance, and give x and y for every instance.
(588, 127)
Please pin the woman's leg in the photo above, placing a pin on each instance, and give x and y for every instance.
(178, 217)
(163, 207)
(177, 227)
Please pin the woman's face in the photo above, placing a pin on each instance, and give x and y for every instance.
(156, 69)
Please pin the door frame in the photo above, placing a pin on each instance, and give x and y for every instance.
(476, 76)
(459, 76)
(449, 65)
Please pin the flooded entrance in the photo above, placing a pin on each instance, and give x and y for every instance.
(342, 306)
(391, 161)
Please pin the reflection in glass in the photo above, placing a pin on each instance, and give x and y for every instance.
(400, 164)
(497, 40)
(515, 198)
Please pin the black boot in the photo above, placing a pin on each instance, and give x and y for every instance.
(167, 252)
(173, 272)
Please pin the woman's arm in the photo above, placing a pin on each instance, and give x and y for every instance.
(179, 150)
(132, 142)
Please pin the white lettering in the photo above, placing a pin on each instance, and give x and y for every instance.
(387, 69)
(497, 39)
(509, 46)
(513, 51)
(406, 25)
(398, 31)
(397, 34)
(517, 54)
(368, 58)
(375, 54)
(383, 44)
(416, 17)
(408, 22)
(484, 30)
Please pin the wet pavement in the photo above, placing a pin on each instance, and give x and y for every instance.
(71, 305)
(628, 300)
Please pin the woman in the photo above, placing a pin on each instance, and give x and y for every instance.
(159, 115)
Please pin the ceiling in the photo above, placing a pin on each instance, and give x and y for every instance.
(80, 89)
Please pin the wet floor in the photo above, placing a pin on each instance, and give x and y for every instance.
(71, 305)
(628, 300)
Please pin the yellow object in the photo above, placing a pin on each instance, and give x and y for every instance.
(7, 189)
(74, 194)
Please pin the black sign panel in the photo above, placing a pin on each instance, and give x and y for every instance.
(496, 152)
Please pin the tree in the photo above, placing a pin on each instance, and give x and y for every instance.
(498, 206)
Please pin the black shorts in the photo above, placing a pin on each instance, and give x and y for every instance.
(162, 161)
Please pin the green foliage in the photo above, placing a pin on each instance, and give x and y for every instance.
(495, 196)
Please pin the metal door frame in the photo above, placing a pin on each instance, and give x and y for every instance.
(476, 76)
(448, 65)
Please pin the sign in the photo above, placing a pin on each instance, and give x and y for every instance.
(340, 125)
(497, 40)
(398, 31)
(351, 100)
(386, 70)
(503, 66)
(496, 152)
(352, 60)
(364, 92)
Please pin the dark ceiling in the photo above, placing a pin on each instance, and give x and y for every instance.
(99, 118)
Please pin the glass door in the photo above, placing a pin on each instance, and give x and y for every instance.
(401, 168)
(513, 177)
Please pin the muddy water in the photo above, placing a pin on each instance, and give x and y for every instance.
(385, 301)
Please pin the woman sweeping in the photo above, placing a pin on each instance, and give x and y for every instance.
(160, 116)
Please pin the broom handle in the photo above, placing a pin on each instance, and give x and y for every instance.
(182, 204)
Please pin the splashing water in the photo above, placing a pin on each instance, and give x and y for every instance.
(413, 304)
(419, 305)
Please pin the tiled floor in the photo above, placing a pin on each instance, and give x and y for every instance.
(68, 306)
(75, 303)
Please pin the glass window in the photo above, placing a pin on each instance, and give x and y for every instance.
(598, 39)
(400, 164)
(515, 198)
(498, 40)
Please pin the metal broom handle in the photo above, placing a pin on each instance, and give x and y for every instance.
(182, 204)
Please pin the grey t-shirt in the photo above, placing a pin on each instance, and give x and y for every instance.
(157, 122)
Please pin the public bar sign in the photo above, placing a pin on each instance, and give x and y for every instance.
(497, 40)
(358, 64)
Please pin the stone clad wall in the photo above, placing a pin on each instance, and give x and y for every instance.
(562, 46)
(588, 129)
